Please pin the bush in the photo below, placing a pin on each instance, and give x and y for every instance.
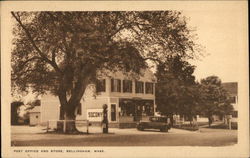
(189, 127)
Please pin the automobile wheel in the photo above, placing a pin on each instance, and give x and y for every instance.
(140, 128)
(164, 129)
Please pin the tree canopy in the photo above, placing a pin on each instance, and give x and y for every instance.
(215, 99)
(178, 93)
(62, 52)
(176, 90)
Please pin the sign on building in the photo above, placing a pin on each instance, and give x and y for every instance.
(95, 115)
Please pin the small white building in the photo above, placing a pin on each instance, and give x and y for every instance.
(35, 116)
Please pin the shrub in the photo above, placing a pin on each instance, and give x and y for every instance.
(190, 127)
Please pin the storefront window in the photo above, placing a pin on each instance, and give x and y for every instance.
(139, 87)
(149, 88)
(115, 85)
(127, 109)
(101, 86)
(136, 108)
(127, 86)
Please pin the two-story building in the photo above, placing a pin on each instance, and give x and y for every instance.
(232, 89)
(128, 99)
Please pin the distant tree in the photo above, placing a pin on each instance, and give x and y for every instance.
(215, 98)
(189, 102)
(14, 112)
(62, 52)
(225, 108)
(176, 88)
(33, 103)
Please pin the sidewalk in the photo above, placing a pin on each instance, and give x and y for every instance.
(27, 129)
(96, 130)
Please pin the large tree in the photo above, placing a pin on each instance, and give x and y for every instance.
(62, 52)
(215, 99)
(176, 90)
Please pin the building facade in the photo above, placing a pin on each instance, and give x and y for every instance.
(232, 89)
(129, 100)
(35, 116)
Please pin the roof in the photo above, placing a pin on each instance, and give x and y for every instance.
(35, 109)
(231, 87)
(146, 76)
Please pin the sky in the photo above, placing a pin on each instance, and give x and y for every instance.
(220, 28)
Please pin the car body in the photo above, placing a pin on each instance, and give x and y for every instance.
(155, 122)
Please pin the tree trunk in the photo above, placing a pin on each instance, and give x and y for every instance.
(69, 106)
(190, 118)
(70, 123)
(67, 113)
(62, 112)
(63, 100)
(210, 121)
(171, 120)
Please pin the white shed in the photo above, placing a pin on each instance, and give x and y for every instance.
(35, 116)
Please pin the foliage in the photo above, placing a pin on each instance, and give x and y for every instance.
(33, 103)
(215, 99)
(14, 112)
(176, 91)
(62, 52)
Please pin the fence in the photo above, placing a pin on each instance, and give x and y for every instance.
(61, 125)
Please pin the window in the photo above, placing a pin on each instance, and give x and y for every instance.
(115, 85)
(101, 86)
(139, 87)
(127, 86)
(149, 88)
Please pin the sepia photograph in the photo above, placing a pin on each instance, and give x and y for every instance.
(96, 79)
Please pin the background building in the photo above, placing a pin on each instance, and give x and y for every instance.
(232, 88)
(35, 116)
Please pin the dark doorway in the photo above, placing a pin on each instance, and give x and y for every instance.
(113, 112)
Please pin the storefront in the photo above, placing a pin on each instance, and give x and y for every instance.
(133, 110)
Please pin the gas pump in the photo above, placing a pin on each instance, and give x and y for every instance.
(105, 119)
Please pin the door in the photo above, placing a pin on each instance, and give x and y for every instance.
(113, 112)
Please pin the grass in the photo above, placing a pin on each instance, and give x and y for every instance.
(187, 127)
(234, 125)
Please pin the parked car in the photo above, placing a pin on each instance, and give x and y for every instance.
(155, 122)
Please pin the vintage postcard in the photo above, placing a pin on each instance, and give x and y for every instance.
(124, 79)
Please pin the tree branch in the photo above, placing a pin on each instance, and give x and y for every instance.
(53, 58)
(153, 59)
(67, 50)
(53, 64)
(28, 60)
(118, 30)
